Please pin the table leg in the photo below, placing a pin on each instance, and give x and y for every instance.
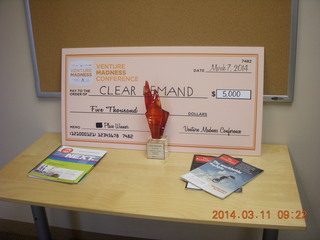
(41, 222)
(270, 234)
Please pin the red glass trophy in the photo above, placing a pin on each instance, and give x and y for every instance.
(157, 118)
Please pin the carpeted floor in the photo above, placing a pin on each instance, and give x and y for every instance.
(12, 236)
(16, 230)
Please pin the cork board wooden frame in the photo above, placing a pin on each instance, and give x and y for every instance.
(54, 25)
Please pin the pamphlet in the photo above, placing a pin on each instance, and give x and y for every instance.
(67, 164)
(199, 160)
(222, 176)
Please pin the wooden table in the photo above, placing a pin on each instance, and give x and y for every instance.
(126, 183)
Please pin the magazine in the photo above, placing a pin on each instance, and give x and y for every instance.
(222, 175)
(199, 160)
(67, 164)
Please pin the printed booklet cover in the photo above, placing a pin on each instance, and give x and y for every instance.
(222, 176)
(67, 164)
(199, 160)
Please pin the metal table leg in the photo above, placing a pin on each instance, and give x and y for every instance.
(41, 222)
(270, 234)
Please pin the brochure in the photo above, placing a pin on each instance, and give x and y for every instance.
(67, 164)
(199, 160)
(222, 176)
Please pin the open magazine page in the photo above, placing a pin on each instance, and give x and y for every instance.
(222, 176)
(67, 164)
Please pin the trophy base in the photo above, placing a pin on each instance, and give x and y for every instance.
(157, 148)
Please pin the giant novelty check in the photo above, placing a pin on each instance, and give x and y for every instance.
(214, 96)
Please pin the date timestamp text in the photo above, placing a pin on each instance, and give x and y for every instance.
(250, 214)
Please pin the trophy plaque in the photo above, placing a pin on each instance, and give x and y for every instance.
(157, 145)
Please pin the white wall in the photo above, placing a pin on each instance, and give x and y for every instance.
(24, 118)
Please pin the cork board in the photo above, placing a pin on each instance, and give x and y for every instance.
(54, 25)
